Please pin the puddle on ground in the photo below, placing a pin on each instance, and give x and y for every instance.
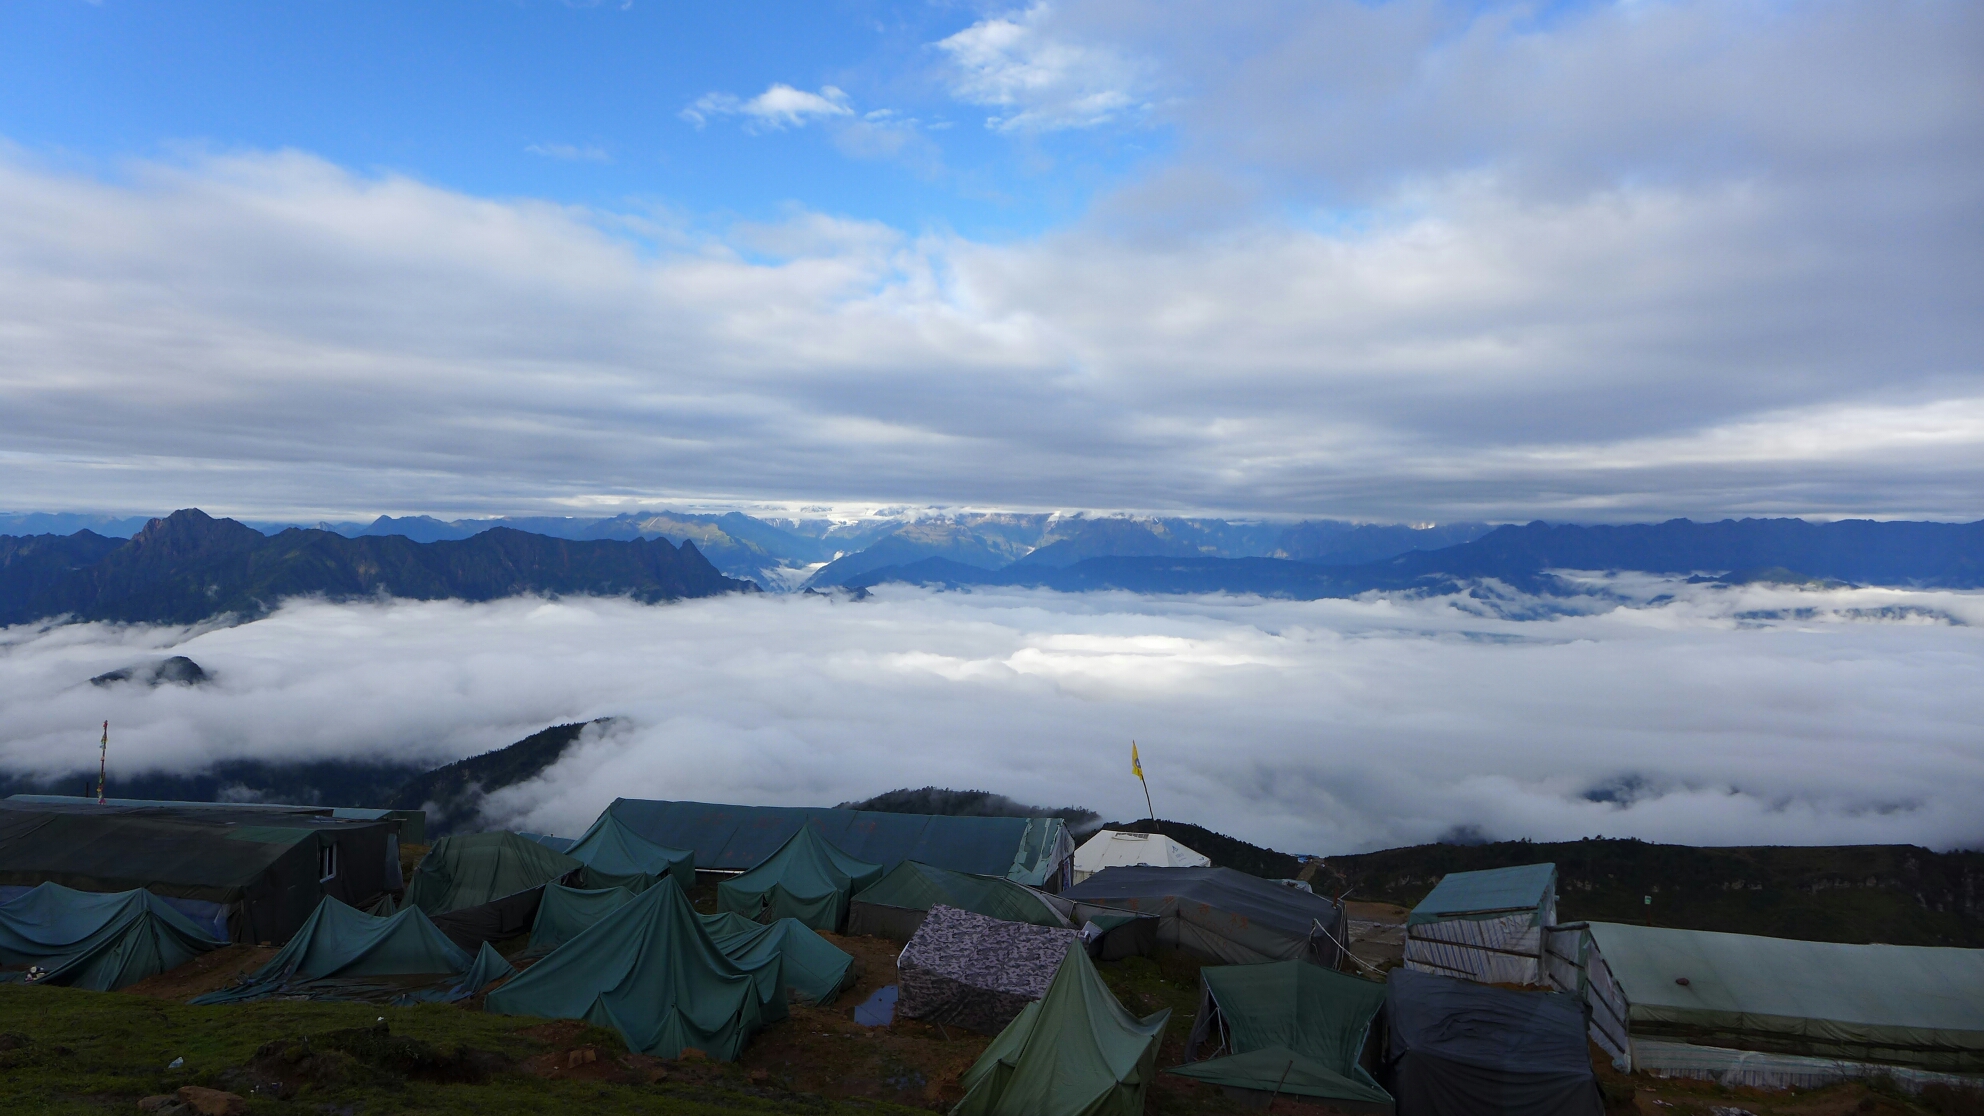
(878, 1010)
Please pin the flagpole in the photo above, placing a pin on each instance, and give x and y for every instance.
(102, 763)
(1137, 765)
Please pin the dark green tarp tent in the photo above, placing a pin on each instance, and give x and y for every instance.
(1074, 1052)
(895, 905)
(815, 969)
(1308, 1018)
(244, 875)
(567, 912)
(1457, 1048)
(616, 856)
(93, 940)
(478, 868)
(651, 972)
(1218, 914)
(341, 953)
(807, 879)
(1034, 851)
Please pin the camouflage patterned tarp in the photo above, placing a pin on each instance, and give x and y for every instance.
(977, 972)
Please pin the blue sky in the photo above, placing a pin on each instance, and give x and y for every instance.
(1379, 259)
(577, 103)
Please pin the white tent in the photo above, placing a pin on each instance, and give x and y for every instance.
(1116, 849)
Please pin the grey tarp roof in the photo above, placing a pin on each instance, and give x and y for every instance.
(413, 823)
(972, 970)
(1487, 893)
(1463, 1049)
(1218, 914)
(1918, 1005)
(738, 838)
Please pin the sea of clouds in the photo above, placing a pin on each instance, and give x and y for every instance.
(1656, 709)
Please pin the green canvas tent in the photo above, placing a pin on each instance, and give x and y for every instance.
(651, 972)
(814, 968)
(616, 856)
(1290, 1027)
(92, 940)
(1074, 1052)
(567, 912)
(807, 879)
(478, 868)
(341, 953)
(895, 905)
(1912, 1005)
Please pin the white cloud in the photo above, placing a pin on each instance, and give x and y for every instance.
(779, 107)
(571, 152)
(1324, 726)
(1038, 77)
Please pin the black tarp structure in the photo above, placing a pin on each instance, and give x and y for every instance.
(255, 874)
(1218, 914)
(975, 971)
(1456, 1048)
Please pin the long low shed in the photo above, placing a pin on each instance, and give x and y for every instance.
(1034, 851)
(244, 875)
(412, 823)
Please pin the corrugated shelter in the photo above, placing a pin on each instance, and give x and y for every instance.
(1034, 851)
(1457, 1048)
(1485, 926)
(977, 972)
(412, 823)
(651, 972)
(813, 968)
(616, 856)
(1908, 1005)
(1261, 1024)
(241, 875)
(1074, 1052)
(894, 906)
(94, 940)
(807, 879)
(341, 953)
(478, 868)
(1218, 914)
(1114, 848)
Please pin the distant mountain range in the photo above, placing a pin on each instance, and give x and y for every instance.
(1938, 555)
(190, 566)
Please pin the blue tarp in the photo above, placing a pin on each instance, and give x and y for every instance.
(95, 940)
(737, 838)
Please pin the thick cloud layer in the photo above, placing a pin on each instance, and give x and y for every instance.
(1689, 714)
(1399, 261)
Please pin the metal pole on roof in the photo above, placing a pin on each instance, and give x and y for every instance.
(102, 762)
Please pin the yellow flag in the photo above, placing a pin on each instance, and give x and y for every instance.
(1136, 765)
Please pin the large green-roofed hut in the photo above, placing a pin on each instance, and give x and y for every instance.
(895, 905)
(807, 879)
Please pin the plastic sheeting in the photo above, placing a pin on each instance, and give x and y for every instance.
(894, 905)
(567, 912)
(1218, 914)
(814, 968)
(807, 879)
(335, 952)
(477, 868)
(652, 973)
(1075, 1052)
(727, 838)
(1320, 1021)
(972, 971)
(1911, 1005)
(93, 940)
(1485, 926)
(616, 856)
(1457, 1048)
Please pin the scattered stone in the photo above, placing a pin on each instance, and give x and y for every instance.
(161, 1104)
(212, 1102)
(584, 1055)
(691, 1054)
